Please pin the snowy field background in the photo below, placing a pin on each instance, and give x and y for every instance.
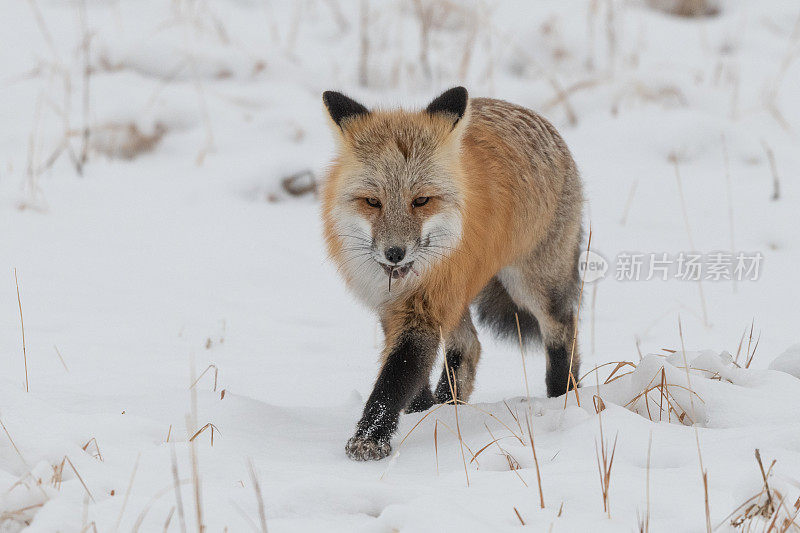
(177, 246)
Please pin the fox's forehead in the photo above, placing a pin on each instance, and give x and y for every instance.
(392, 150)
(387, 170)
(406, 131)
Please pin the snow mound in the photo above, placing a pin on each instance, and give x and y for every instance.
(788, 361)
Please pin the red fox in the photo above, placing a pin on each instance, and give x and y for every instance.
(467, 202)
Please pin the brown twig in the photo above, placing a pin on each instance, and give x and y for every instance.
(703, 471)
(535, 461)
(674, 160)
(522, 356)
(22, 326)
(521, 521)
(177, 486)
(127, 492)
(570, 376)
(776, 186)
(79, 478)
(262, 515)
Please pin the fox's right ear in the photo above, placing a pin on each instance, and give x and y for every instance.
(342, 108)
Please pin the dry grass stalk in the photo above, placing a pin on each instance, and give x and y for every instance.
(169, 432)
(22, 326)
(244, 515)
(729, 195)
(611, 35)
(764, 477)
(425, 16)
(773, 167)
(469, 46)
(522, 356)
(739, 349)
(80, 478)
(203, 373)
(674, 160)
(436, 443)
(169, 519)
(535, 461)
(157, 496)
(515, 417)
(14, 445)
(612, 376)
(494, 417)
(646, 521)
(703, 471)
(198, 487)
(61, 358)
(455, 434)
(764, 505)
(202, 429)
(90, 526)
(562, 96)
(262, 515)
(750, 355)
(664, 394)
(493, 441)
(97, 454)
(177, 486)
(513, 464)
(570, 375)
(605, 462)
(521, 521)
(58, 474)
(86, 77)
(363, 52)
(565, 93)
(127, 492)
(592, 322)
(454, 394)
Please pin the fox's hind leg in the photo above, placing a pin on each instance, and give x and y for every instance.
(462, 351)
(553, 302)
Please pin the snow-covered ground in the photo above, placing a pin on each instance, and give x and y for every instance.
(178, 248)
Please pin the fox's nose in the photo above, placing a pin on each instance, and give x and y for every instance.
(395, 254)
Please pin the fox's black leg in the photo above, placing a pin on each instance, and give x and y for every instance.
(405, 371)
(558, 331)
(462, 352)
(557, 374)
(423, 401)
(443, 387)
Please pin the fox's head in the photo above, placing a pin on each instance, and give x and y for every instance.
(397, 199)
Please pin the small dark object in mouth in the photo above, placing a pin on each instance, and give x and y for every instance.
(397, 272)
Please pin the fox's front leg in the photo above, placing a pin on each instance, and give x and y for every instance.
(408, 358)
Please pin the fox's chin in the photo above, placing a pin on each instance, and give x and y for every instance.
(398, 272)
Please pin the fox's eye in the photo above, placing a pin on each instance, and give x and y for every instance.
(419, 202)
(373, 202)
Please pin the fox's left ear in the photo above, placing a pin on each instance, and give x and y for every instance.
(452, 103)
(342, 108)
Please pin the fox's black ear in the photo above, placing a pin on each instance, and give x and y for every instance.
(452, 102)
(341, 107)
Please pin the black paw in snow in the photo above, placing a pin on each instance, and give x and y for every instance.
(367, 449)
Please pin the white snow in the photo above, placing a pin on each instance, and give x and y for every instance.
(143, 272)
(788, 361)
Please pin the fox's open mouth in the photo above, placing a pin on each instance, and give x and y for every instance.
(398, 272)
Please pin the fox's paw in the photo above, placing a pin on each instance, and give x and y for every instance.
(367, 449)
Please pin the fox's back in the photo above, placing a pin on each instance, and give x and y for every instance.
(519, 175)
